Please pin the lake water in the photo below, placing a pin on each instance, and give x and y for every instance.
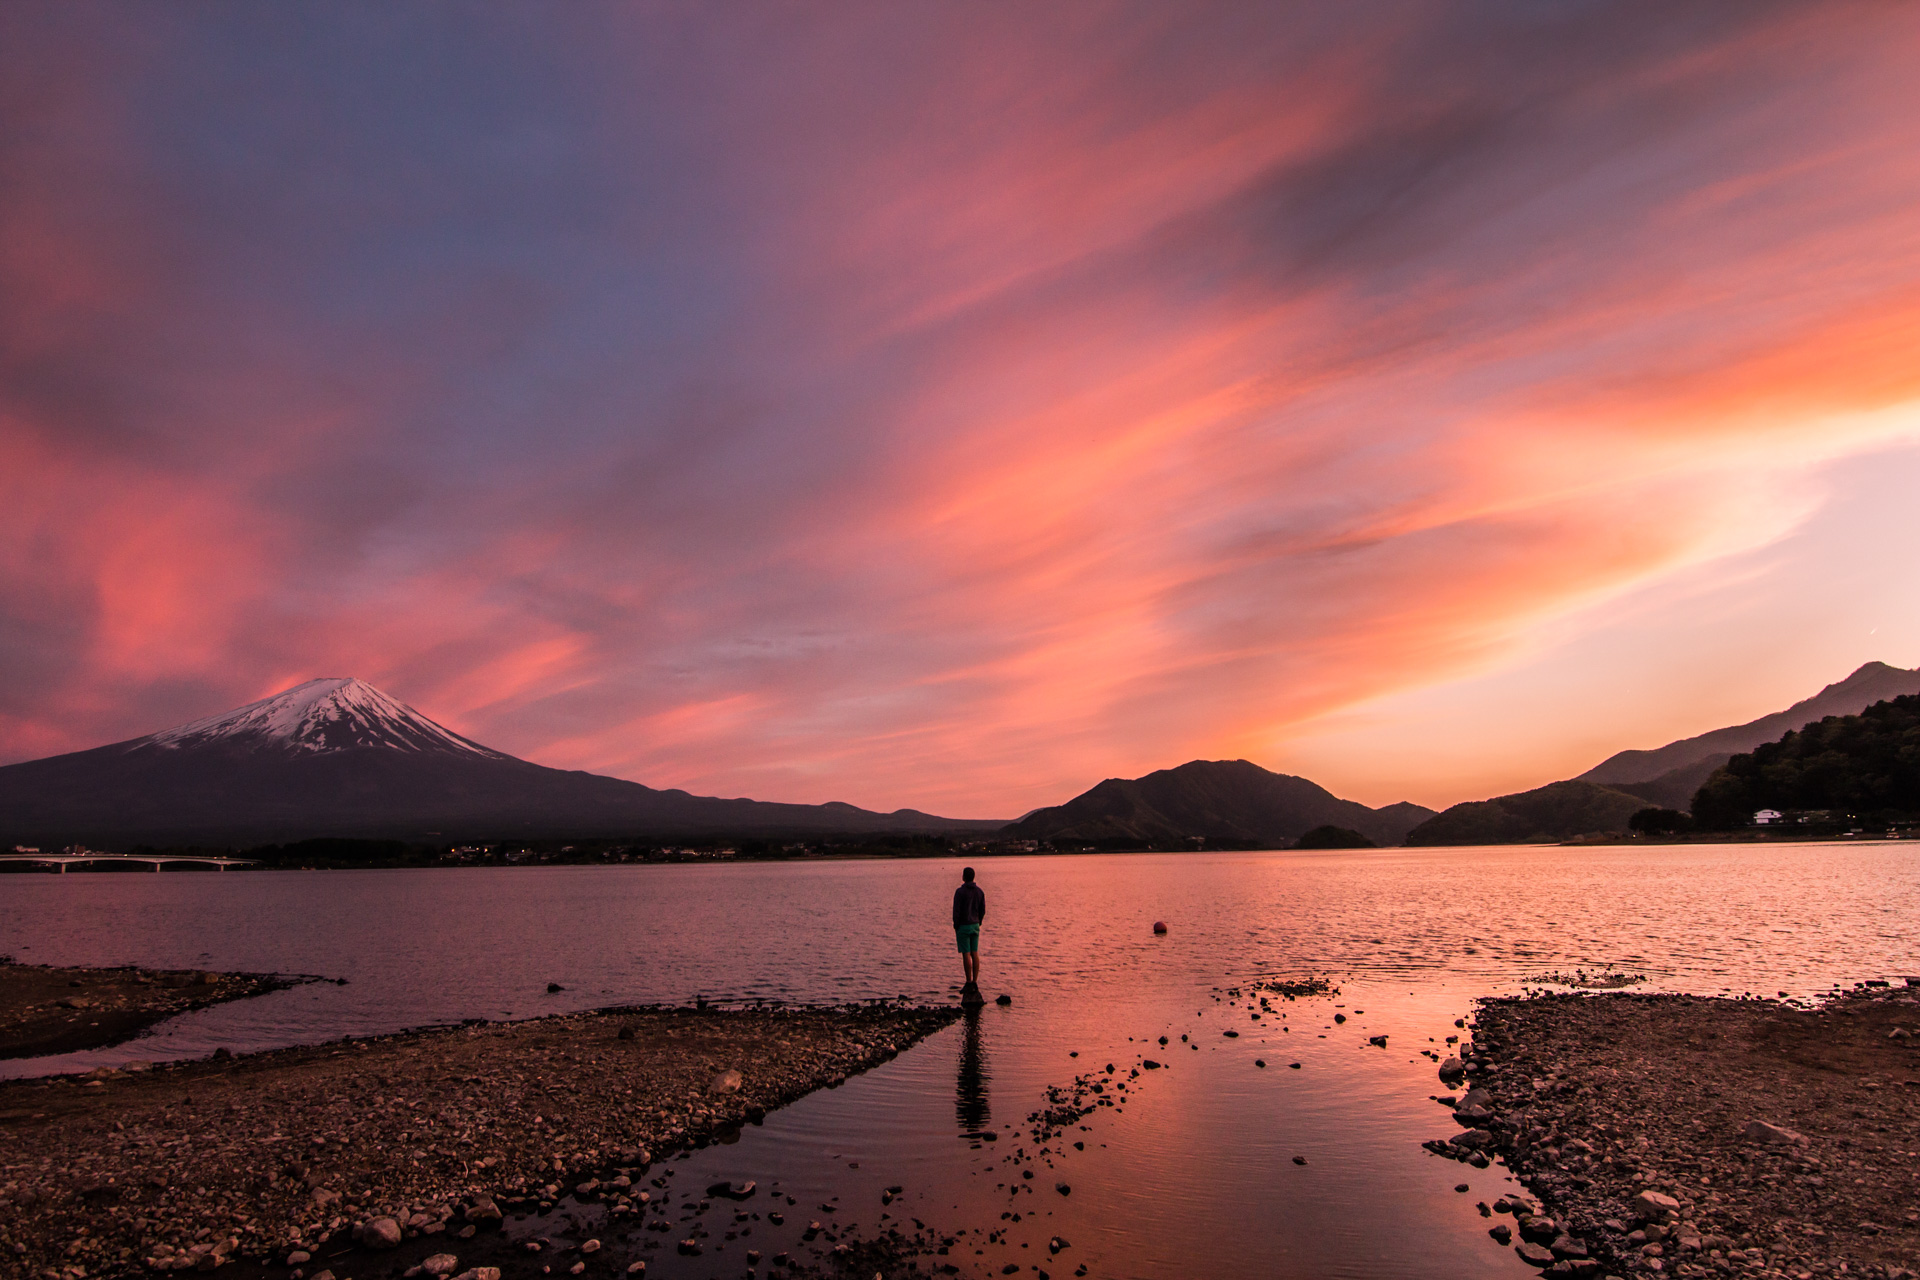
(1195, 1172)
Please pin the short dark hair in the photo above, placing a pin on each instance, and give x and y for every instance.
(966, 873)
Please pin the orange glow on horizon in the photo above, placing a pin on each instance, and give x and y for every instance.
(912, 414)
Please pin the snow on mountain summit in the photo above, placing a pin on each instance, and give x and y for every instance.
(321, 716)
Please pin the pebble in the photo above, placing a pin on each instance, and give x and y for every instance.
(1653, 1204)
(1656, 1178)
(1535, 1255)
(1761, 1131)
(348, 1103)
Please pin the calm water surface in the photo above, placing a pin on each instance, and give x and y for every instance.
(1195, 1174)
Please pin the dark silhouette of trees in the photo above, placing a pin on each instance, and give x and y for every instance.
(1660, 822)
(1332, 837)
(1864, 764)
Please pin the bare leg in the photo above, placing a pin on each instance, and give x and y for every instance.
(973, 966)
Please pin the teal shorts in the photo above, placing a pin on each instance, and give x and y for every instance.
(968, 936)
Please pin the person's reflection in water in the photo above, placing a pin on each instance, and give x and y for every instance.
(970, 1104)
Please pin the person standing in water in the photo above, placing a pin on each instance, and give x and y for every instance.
(969, 911)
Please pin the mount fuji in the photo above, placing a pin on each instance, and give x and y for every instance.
(338, 757)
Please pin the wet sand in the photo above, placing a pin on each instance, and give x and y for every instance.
(45, 1010)
(1696, 1136)
(276, 1162)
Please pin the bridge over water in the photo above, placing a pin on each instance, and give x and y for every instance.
(64, 860)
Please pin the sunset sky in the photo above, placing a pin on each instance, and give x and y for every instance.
(952, 405)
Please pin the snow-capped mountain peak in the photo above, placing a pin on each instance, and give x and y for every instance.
(319, 716)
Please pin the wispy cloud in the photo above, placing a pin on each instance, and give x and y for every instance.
(910, 407)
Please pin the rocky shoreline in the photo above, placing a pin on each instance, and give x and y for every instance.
(46, 1010)
(1698, 1137)
(363, 1153)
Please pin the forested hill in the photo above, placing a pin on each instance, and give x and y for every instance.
(1226, 803)
(1557, 811)
(1866, 765)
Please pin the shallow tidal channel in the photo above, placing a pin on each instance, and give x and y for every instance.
(1209, 1162)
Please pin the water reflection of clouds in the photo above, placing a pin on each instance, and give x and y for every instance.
(971, 1104)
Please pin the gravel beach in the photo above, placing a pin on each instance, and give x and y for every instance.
(267, 1160)
(1699, 1136)
(46, 1010)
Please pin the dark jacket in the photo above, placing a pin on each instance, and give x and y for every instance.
(969, 905)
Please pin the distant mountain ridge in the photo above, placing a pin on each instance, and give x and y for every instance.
(1557, 811)
(339, 757)
(1604, 797)
(1677, 770)
(1232, 801)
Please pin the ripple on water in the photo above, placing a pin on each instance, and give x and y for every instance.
(1201, 1158)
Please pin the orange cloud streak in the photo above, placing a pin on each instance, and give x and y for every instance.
(958, 426)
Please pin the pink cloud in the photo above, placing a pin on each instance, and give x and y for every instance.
(915, 413)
